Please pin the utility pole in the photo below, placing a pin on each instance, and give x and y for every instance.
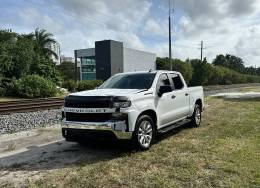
(170, 35)
(201, 51)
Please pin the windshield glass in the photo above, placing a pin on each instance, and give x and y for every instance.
(129, 81)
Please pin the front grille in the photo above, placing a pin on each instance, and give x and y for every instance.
(91, 117)
(88, 101)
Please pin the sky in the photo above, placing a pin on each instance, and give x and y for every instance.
(225, 26)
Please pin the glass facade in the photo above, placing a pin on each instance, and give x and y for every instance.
(88, 68)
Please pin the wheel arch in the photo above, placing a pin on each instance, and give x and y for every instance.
(199, 102)
(151, 113)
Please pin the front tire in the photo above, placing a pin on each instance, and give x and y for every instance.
(144, 132)
(196, 117)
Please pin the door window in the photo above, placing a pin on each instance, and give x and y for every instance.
(177, 81)
(163, 81)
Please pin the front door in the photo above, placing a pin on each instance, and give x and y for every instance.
(164, 103)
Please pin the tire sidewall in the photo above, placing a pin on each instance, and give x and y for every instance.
(138, 123)
(194, 123)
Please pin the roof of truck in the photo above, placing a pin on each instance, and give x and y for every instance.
(153, 71)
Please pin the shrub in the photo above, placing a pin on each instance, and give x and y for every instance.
(35, 86)
(8, 87)
(2, 92)
(88, 84)
(71, 85)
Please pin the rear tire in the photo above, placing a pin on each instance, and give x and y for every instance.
(144, 132)
(196, 117)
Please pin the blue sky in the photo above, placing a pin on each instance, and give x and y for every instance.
(225, 26)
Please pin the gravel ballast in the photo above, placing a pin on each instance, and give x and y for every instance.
(16, 122)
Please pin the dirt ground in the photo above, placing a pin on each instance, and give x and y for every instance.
(29, 155)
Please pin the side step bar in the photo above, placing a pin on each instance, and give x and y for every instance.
(173, 126)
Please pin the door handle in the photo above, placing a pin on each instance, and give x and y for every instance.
(173, 96)
(186, 94)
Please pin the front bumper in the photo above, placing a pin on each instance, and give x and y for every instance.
(118, 128)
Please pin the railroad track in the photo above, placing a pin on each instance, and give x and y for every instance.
(30, 105)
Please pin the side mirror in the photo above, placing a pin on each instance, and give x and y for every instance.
(164, 89)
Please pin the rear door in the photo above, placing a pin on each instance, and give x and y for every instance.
(180, 97)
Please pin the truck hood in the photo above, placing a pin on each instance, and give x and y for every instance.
(108, 92)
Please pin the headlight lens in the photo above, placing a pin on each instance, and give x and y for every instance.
(122, 104)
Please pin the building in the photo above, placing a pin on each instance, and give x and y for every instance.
(55, 47)
(110, 57)
(63, 58)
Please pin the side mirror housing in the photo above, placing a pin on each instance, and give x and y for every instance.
(164, 89)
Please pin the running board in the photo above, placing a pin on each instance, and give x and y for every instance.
(173, 126)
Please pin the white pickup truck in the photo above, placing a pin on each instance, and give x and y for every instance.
(134, 105)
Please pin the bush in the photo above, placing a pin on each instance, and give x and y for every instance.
(8, 87)
(71, 85)
(83, 85)
(88, 84)
(35, 86)
(2, 92)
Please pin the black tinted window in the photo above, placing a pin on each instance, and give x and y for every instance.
(129, 81)
(177, 82)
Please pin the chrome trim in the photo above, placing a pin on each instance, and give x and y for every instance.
(89, 110)
(117, 127)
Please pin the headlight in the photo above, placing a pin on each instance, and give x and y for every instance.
(122, 104)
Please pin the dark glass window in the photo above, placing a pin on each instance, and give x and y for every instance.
(129, 81)
(177, 82)
(88, 68)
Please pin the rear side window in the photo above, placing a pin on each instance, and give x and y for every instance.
(163, 80)
(177, 81)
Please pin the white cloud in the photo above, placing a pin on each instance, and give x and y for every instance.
(224, 26)
(153, 27)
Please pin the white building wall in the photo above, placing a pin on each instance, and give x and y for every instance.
(135, 60)
(56, 48)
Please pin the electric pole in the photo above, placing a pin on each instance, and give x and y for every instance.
(170, 35)
(201, 51)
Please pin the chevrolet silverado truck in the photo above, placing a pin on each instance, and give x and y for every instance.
(135, 105)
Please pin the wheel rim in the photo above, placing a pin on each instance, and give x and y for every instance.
(145, 133)
(197, 116)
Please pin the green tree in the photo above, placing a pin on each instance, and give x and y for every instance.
(230, 61)
(202, 71)
(42, 39)
(67, 70)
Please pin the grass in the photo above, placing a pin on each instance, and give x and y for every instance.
(7, 99)
(223, 152)
(10, 147)
(250, 89)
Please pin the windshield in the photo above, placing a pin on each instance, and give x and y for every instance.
(129, 81)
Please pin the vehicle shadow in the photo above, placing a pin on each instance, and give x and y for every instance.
(62, 154)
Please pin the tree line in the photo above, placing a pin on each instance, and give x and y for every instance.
(24, 61)
(224, 70)
(27, 69)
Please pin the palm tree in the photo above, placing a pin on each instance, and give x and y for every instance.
(43, 39)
